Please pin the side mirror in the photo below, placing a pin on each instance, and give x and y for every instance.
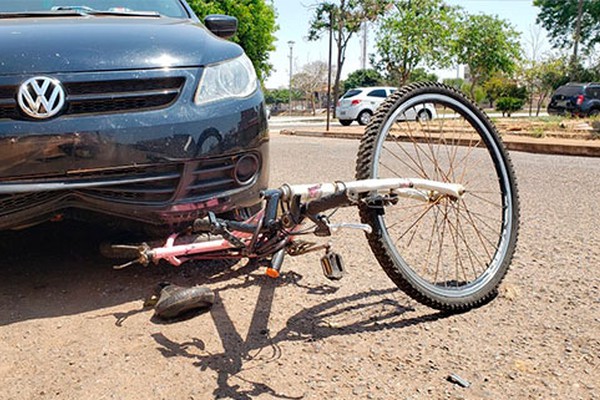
(223, 26)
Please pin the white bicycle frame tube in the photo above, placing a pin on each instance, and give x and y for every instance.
(420, 189)
(409, 188)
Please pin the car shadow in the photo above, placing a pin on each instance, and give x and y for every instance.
(57, 270)
(369, 311)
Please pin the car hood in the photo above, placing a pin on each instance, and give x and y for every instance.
(78, 44)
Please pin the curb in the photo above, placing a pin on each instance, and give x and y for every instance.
(552, 146)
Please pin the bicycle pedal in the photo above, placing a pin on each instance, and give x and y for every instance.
(333, 266)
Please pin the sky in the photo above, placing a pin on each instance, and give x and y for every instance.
(294, 16)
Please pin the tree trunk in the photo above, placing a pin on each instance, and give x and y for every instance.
(340, 64)
(539, 104)
(472, 89)
(577, 35)
(530, 105)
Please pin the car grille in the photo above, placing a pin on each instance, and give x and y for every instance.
(212, 177)
(154, 186)
(102, 97)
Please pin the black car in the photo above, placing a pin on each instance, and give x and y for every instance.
(128, 108)
(578, 99)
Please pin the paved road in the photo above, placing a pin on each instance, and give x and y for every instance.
(72, 328)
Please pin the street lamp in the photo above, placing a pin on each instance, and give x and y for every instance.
(291, 43)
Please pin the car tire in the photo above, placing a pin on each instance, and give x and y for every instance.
(424, 116)
(364, 117)
(345, 122)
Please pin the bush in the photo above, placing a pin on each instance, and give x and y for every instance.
(508, 105)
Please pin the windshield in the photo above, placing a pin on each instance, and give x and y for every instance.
(351, 93)
(169, 8)
(569, 90)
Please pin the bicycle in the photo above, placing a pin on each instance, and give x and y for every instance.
(437, 198)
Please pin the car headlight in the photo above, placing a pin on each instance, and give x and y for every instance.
(231, 79)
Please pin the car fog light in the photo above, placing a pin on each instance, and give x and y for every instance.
(246, 169)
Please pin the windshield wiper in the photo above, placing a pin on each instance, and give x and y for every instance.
(90, 11)
(39, 14)
(77, 11)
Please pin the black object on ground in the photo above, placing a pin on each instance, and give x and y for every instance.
(175, 301)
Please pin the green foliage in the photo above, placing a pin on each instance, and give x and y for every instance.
(413, 33)
(559, 17)
(281, 96)
(346, 17)
(454, 82)
(421, 75)
(499, 86)
(363, 78)
(256, 27)
(488, 45)
(476, 92)
(508, 105)
(581, 74)
(541, 79)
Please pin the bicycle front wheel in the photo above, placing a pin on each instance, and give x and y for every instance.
(450, 254)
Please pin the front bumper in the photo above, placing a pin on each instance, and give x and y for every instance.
(162, 166)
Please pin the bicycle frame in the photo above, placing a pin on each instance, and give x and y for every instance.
(238, 239)
(464, 239)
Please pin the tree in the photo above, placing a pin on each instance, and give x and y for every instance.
(498, 86)
(487, 44)
(363, 78)
(345, 20)
(501, 87)
(508, 105)
(542, 79)
(277, 97)
(257, 25)
(413, 33)
(311, 79)
(560, 18)
(421, 75)
(454, 82)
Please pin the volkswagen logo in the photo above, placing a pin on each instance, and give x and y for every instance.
(41, 97)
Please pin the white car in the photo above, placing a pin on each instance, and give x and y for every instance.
(360, 104)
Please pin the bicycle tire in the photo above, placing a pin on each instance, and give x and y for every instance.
(490, 206)
(175, 301)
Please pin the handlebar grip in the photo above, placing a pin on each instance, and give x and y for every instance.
(336, 200)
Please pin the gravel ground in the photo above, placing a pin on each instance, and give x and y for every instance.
(72, 328)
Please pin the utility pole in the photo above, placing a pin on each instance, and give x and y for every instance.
(329, 69)
(291, 43)
(365, 41)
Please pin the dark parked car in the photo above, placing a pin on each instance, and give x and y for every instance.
(578, 99)
(127, 108)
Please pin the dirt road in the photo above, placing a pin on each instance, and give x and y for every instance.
(72, 328)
